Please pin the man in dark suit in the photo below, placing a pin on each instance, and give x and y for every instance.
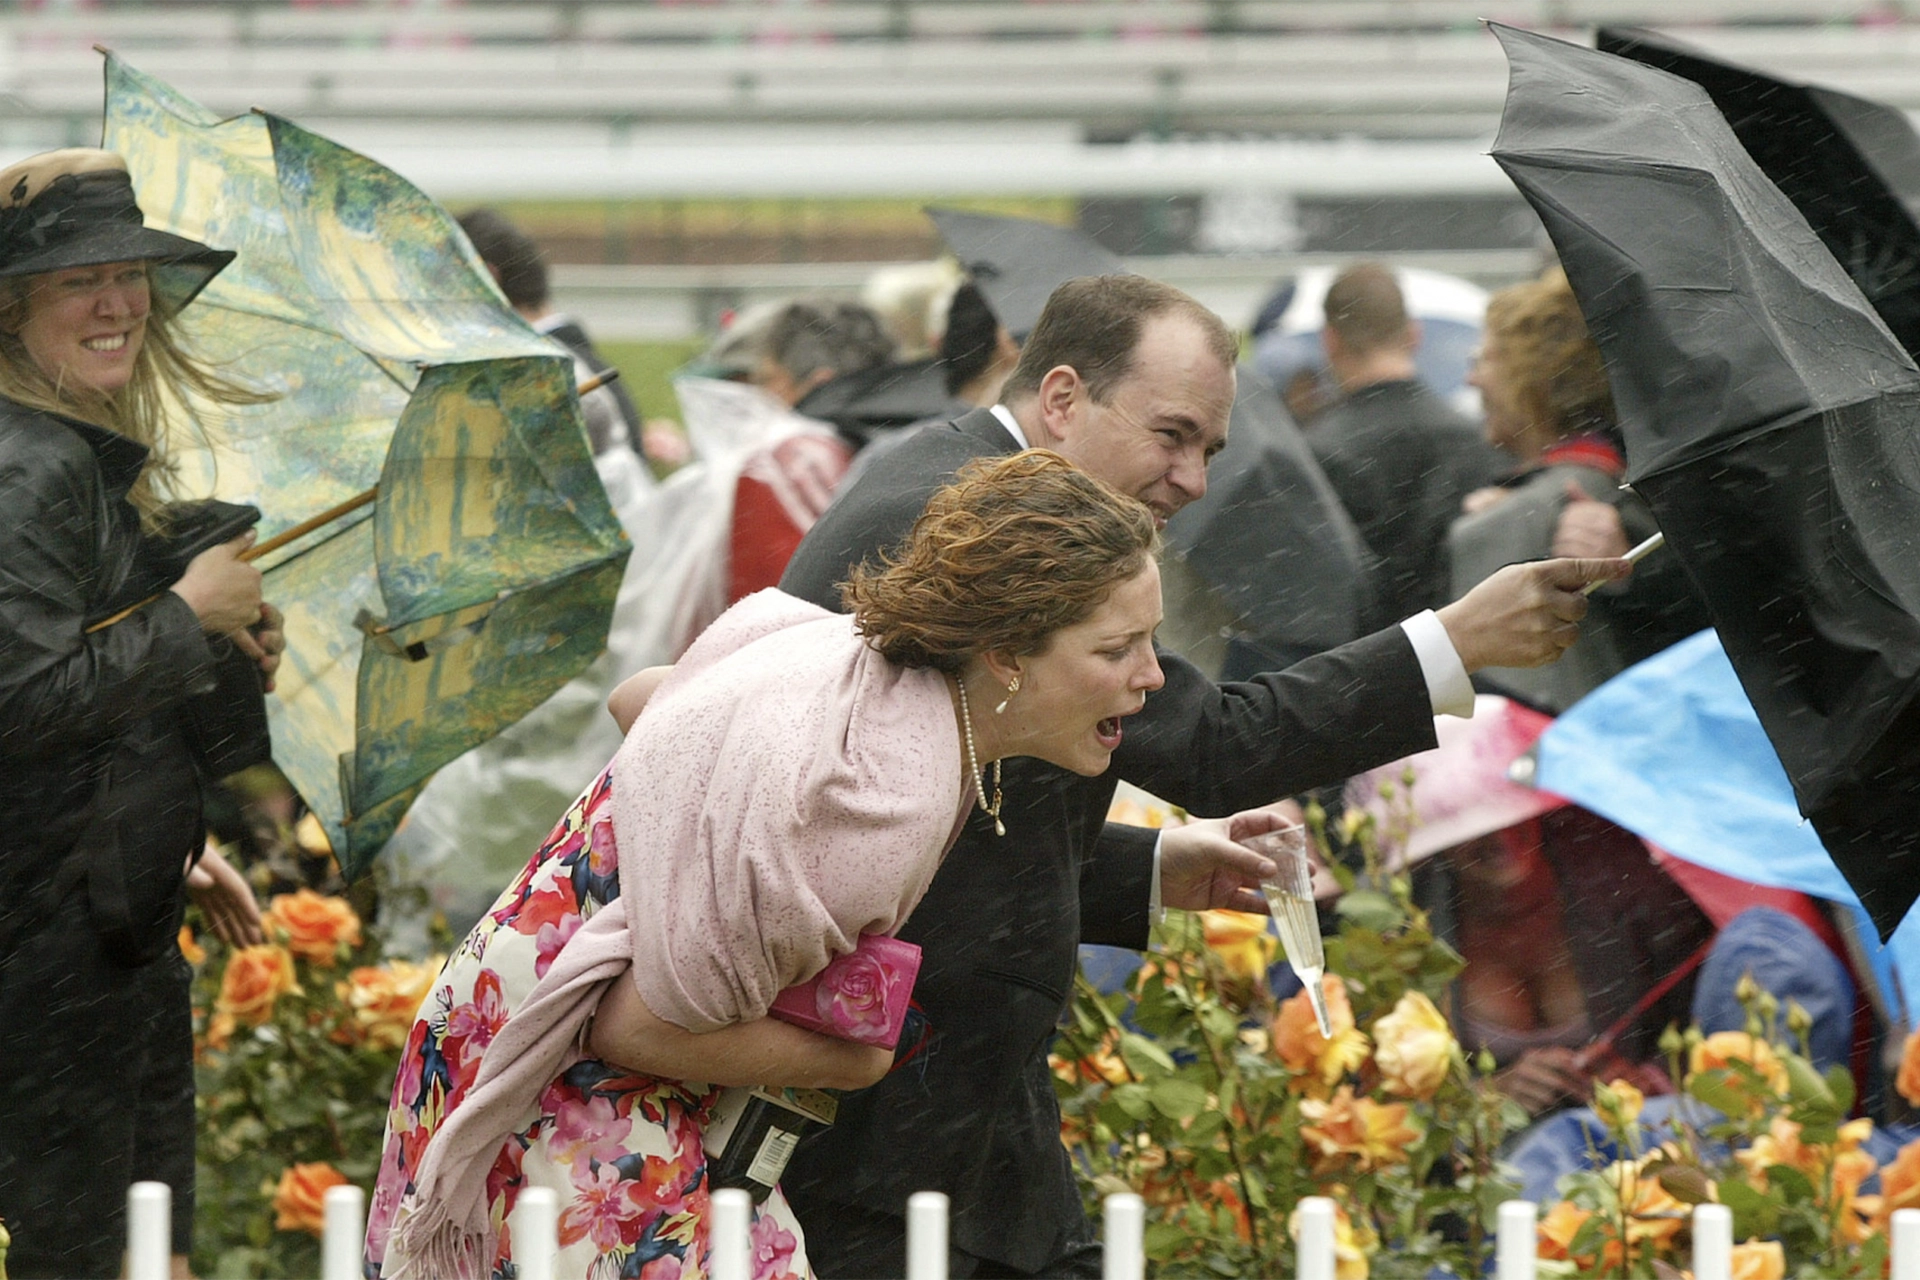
(1134, 381)
(1398, 456)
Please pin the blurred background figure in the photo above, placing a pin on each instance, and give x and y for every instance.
(1545, 981)
(1548, 404)
(1398, 456)
(520, 269)
(1288, 349)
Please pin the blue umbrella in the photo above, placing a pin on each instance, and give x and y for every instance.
(1672, 750)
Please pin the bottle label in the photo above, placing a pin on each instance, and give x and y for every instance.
(771, 1160)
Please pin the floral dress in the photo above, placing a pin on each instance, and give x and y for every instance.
(621, 1152)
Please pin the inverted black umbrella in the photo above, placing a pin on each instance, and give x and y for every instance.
(1271, 537)
(1771, 419)
(1019, 262)
(1850, 165)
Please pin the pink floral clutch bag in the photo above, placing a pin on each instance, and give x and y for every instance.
(861, 996)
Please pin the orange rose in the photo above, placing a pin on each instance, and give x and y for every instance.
(1759, 1260)
(299, 1202)
(193, 951)
(1724, 1048)
(1899, 1185)
(1414, 1048)
(255, 978)
(1557, 1229)
(1908, 1081)
(1653, 1215)
(1374, 1134)
(315, 926)
(1298, 1043)
(382, 1000)
(1241, 942)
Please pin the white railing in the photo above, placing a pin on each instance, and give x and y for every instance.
(536, 1220)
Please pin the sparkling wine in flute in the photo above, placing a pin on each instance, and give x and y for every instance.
(1290, 896)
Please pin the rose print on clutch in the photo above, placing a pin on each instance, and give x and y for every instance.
(861, 996)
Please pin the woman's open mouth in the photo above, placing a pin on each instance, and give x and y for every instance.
(1108, 731)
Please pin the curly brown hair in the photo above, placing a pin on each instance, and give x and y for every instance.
(1560, 380)
(1009, 553)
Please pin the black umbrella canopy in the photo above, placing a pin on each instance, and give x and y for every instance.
(1271, 536)
(883, 397)
(1850, 165)
(1019, 262)
(1771, 420)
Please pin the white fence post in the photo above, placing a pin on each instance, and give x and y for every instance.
(149, 1231)
(1712, 1242)
(732, 1223)
(345, 1234)
(536, 1232)
(1314, 1248)
(1518, 1243)
(1125, 1253)
(926, 1236)
(1906, 1244)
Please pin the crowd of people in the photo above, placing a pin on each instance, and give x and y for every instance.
(888, 689)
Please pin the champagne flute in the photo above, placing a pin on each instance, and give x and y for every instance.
(1290, 897)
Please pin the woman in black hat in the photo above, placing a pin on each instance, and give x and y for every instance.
(129, 661)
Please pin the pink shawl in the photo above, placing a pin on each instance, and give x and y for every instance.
(786, 790)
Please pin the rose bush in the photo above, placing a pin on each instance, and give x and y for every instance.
(294, 1067)
(1756, 1128)
(1223, 1106)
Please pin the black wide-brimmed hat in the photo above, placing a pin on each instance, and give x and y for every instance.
(75, 208)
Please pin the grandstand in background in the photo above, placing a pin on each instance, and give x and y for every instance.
(701, 135)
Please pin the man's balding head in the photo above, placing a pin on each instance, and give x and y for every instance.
(1132, 380)
(1368, 336)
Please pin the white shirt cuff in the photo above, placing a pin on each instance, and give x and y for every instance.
(1448, 688)
(1156, 912)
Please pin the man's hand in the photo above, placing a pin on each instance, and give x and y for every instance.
(264, 642)
(1202, 867)
(1525, 615)
(226, 900)
(1588, 528)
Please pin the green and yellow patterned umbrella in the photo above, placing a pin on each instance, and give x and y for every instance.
(482, 574)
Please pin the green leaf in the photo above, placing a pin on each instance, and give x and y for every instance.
(1143, 1057)
(1135, 1100)
(1178, 1099)
(1369, 909)
(1840, 1082)
(1806, 1085)
(1720, 1090)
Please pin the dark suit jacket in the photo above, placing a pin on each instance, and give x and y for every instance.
(975, 1116)
(1401, 461)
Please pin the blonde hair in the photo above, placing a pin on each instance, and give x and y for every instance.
(1559, 379)
(164, 369)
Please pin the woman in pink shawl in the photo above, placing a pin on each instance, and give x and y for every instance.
(790, 785)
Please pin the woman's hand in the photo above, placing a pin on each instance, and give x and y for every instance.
(222, 589)
(226, 900)
(629, 699)
(766, 1051)
(264, 642)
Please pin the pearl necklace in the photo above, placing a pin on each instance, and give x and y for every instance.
(973, 764)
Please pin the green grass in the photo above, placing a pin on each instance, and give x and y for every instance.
(647, 369)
